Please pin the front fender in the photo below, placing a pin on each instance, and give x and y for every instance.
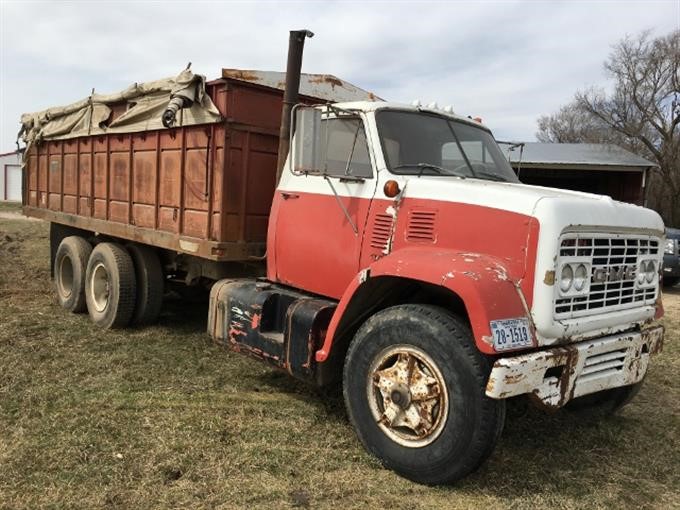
(483, 283)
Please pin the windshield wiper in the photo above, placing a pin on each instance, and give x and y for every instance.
(490, 176)
(428, 166)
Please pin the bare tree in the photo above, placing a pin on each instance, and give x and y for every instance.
(644, 108)
(640, 113)
(572, 124)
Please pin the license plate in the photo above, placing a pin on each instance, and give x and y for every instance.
(511, 334)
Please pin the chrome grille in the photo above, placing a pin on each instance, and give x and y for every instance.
(607, 254)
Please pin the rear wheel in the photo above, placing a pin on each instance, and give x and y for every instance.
(70, 265)
(414, 389)
(110, 287)
(150, 284)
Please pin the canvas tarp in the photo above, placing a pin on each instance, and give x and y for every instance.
(146, 103)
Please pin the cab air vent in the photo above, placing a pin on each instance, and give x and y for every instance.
(382, 230)
(421, 226)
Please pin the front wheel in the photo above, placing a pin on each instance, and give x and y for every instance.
(414, 390)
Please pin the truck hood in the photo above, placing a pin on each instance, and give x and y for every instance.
(552, 207)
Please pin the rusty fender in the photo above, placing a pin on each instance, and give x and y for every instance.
(484, 284)
(554, 376)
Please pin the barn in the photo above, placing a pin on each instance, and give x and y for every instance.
(604, 169)
(10, 177)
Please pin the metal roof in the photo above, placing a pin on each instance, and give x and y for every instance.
(587, 155)
(322, 86)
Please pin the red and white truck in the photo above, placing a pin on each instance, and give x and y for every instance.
(392, 250)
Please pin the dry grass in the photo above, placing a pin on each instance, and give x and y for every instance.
(10, 207)
(161, 418)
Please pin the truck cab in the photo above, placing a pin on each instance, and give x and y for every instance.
(403, 227)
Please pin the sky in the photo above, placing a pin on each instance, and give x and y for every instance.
(508, 62)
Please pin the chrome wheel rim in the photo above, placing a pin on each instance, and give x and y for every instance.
(100, 287)
(408, 396)
(65, 275)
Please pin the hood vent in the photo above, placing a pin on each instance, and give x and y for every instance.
(382, 231)
(421, 226)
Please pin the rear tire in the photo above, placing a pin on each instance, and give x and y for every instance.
(110, 287)
(70, 265)
(150, 284)
(453, 426)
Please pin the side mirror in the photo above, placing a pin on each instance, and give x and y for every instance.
(307, 146)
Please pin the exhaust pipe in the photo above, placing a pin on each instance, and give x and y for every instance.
(296, 45)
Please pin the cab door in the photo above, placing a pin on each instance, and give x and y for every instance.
(320, 218)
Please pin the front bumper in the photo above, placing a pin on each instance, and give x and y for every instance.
(555, 376)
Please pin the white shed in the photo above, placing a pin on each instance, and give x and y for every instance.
(10, 177)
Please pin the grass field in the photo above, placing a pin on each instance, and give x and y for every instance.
(161, 418)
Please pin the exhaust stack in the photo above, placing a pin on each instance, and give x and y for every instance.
(296, 45)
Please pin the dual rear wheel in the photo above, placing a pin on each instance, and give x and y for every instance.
(117, 285)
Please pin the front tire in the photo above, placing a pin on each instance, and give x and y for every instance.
(414, 387)
(110, 288)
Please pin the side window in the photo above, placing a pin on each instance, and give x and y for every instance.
(347, 145)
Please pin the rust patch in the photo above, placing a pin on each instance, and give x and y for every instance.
(239, 74)
(514, 379)
(255, 321)
(566, 393)
(326, 78)
(549, 278)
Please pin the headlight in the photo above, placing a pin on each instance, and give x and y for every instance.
(670, 246)
(566, 278)
(646, 272)
(580, 277)
(650, 271)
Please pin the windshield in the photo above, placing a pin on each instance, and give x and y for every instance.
(426, 144)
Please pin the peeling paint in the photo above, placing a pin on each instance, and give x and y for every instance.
(472, 275)
(363, 275)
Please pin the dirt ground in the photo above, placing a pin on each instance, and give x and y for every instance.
(161, 418)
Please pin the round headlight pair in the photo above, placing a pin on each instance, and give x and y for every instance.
(576, 278)
(647, 272)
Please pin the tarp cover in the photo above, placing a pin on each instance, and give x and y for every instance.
(145, 103)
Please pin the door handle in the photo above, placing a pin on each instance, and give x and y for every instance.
(286, 195)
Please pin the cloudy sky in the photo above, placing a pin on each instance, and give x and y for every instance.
(506, 61)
